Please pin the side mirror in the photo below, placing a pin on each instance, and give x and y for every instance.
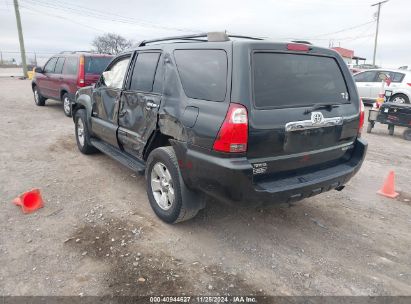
(38, 70)
(388, 94)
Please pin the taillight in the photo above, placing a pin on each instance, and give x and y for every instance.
(80, 73)
(362, 117)
(233, 134)
(409, 84)
(298, 47)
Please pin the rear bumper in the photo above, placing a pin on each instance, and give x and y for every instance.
(231, 180)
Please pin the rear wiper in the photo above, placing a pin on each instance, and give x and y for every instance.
(318, 106)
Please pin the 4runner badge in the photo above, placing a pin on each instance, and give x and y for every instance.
(317, 117)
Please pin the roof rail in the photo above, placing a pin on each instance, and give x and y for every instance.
(74, 52)
(210, 37)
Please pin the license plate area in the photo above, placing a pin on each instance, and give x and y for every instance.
(311, 139)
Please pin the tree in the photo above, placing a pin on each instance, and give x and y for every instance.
(111, 43)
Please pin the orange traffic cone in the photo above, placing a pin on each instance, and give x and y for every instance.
(388, 189)
(29, 201)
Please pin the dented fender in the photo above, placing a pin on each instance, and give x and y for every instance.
(83, 101)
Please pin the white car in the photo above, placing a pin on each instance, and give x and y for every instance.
(369, 85)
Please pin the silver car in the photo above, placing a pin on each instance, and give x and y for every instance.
(369, 85)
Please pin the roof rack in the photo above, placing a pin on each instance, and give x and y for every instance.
(74, 52)
(207, 37)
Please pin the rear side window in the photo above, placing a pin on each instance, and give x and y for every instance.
(96, 65)
(144, 71)
(396, 77)
(70, 66)
(287, 80)
(49, 67)
(59, 65)
(203, 73)
(365, 76)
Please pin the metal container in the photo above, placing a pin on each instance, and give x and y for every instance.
(372, 115)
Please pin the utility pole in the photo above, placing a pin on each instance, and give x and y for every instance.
(378, 24)
(21, 41)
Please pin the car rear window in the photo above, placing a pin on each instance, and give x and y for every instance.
(290, 80)
(203, 73)
(96, 65)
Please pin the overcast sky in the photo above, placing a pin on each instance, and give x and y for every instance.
(52, 26)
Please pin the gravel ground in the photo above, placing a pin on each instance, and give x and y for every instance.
(97, 234)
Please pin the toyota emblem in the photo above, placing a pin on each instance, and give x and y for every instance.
(317, 117)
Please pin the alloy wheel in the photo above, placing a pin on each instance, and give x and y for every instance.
(162, 186)
(66, 105)
(398, 99)
(80, 132)
(36, 96)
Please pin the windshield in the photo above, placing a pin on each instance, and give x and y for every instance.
(287, 80)
(96, 65)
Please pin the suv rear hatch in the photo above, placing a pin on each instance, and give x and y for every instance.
(304, 114)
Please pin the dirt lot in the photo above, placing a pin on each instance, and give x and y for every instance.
(97, 234)
(11, 72)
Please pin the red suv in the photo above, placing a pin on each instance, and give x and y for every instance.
(64, 74)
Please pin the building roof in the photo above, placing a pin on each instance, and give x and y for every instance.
(346, 53)
(359, 58)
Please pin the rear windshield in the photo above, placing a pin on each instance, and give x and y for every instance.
(96, 65)
(289, 80)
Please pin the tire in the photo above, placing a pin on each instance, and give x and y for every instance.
(82, 133)
(391, 130)
(66, 104)
(170, 198)
(407, 134)
(400, 98)
(38, 99)
(369, 127)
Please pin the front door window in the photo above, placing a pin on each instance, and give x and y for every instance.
(114, 77)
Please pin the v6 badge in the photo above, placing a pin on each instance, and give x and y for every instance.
(259, 168)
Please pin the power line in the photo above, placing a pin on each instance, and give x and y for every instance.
(330, 33)
(363, 34)
(27, 52)
(89, 12)
(345, 29)
(87, 26)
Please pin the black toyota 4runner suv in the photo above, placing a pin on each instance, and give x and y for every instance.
(241, 119)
